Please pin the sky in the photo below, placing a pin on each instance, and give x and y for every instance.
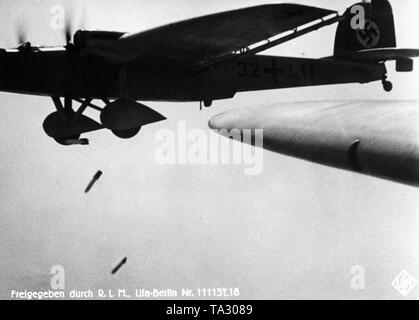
(292, 232)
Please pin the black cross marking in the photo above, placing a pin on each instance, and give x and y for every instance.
(275, 71)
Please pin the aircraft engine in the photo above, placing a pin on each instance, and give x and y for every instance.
(90, 39)
(103, 44)
(125, 117)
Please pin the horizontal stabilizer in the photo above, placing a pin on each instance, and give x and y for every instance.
(378, 55)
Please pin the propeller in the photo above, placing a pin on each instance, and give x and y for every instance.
(21, 34)
(68, 31)
(69, 27)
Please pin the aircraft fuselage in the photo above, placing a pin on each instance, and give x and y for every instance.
(56, 73)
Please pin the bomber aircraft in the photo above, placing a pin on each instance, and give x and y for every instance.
(202, 59)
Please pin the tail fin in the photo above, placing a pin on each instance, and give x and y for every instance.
(379, 29)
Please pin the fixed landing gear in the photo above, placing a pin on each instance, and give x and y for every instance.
(126, 134)
(123, 117)
(67, 141)
(387, 85)
(66, 125)
(126, 117)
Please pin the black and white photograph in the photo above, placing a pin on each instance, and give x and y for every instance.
(196, 150)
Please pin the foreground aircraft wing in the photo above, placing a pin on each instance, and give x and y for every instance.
(190, 42)
(378, 138)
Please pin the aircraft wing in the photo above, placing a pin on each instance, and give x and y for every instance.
(378, 138)
(190, 42)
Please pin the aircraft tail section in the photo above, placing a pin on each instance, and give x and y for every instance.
(379, 31)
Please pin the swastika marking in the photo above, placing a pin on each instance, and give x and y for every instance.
(370, 36)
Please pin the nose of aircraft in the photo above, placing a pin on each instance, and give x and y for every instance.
(277, 115)
(234, 119)
(218, 121)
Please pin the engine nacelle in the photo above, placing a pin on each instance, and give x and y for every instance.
(91, 39)
(103, 44)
